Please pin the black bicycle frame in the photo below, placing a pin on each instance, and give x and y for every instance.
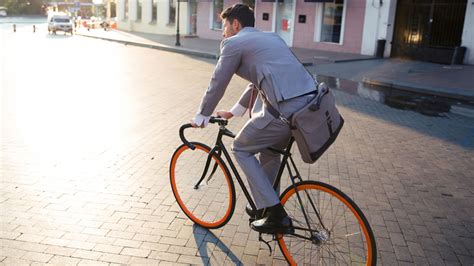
(220, 147)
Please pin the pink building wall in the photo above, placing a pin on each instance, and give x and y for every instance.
(353, 28)
(260, 8)
(304, 32)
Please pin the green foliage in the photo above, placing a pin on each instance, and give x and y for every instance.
(23, 7)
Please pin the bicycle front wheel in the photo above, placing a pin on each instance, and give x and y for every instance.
(205, 194)
(329, 227)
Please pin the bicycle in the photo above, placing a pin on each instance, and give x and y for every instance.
(329, 227)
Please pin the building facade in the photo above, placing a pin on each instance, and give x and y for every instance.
(426, 30)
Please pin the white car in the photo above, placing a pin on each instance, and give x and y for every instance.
(60, 22)
(3, 11)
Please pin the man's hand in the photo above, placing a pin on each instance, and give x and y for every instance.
(225, 114)
(199, 121)
(196, 125)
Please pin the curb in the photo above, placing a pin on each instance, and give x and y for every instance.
(343, 60)
(421, 90)
(158, 47)
(355, 59)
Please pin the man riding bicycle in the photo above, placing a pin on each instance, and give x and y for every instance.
(274, 73)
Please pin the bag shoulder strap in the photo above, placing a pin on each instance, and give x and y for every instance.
(274, 112)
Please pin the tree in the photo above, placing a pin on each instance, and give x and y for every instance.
(24, 7)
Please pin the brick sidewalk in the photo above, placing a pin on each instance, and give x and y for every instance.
(411, 174)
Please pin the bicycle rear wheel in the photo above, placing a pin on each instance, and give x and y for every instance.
(339, 235)
(209, 203)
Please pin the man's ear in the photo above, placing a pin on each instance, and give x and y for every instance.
(236, 25)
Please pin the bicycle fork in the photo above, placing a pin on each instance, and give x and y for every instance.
(216, 151)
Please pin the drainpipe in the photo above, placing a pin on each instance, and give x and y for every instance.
(380, 45)
(108, 10)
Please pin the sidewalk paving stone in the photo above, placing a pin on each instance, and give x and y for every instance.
(61, 260)
(411, 174)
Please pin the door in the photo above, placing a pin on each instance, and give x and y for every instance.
(284, 21)
(192, 14)
(428, 30)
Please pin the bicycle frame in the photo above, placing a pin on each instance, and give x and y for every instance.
(220, 147)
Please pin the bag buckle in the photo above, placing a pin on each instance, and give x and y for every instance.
(282, 118)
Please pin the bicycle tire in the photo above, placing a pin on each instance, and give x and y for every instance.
(337, 243)
(208, 205)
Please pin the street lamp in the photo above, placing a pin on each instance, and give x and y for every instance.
(177, 26)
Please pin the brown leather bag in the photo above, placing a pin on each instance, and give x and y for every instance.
(316, 126)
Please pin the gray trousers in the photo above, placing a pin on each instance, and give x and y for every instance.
(251, 140)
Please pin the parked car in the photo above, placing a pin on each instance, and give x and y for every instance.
(60, 22)
(3, 11)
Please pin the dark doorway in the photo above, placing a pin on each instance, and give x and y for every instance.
(428, 30)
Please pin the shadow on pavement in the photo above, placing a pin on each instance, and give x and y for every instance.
(204, 237)
(455, 129)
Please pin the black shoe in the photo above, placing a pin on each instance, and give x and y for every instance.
(276, 221)
(255, 214)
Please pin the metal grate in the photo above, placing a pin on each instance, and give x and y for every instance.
(428, 30)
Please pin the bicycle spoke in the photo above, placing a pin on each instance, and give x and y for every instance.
(334, 254)
(341, 241)
(345, 237)
(357, 257)
(336, 221)
(325, 210)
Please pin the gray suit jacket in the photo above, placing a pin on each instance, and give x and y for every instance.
(265, 60)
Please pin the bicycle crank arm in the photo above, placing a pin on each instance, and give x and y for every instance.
(260, 238)
(305, 229)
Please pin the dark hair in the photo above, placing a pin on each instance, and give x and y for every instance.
(243, 13)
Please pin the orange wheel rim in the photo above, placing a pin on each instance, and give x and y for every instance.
(180, 201)
(285, 250)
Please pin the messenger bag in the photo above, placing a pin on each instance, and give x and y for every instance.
(314, 127)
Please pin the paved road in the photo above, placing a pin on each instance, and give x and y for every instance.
(88, 128)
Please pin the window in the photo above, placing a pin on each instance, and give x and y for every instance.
(139, 9)
(172, 13)
(250, 3)
(153, 10)
(332, 21)
(126, 10)
(217, 7)
(61, 20)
